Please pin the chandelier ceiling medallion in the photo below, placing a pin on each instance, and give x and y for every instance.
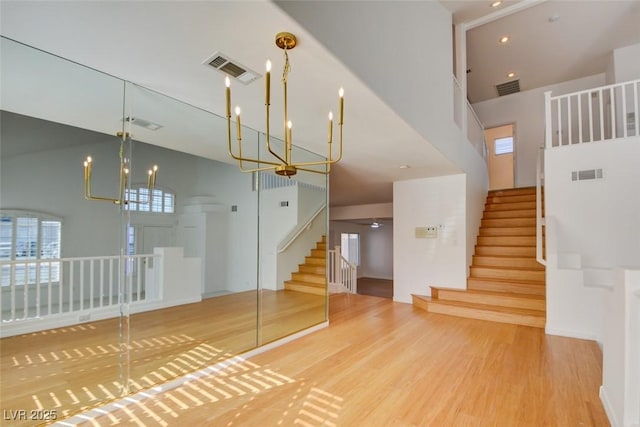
(283, 163)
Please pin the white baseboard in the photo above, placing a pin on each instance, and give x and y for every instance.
(607, 408)
(572, 334)
(153, 391)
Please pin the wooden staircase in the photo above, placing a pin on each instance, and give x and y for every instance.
(506, 283)
(311, 277)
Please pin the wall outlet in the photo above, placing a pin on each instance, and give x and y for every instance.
(432, 232)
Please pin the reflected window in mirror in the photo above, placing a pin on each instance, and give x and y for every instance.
(26, 236)
(163, 200)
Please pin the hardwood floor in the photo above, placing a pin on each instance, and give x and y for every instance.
(75, 368)
(381, 363)
(375, 287)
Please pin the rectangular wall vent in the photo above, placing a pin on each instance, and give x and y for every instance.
(586, 174)
(230, 67)
(508, 87)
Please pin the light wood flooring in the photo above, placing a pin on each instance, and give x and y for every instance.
(381, 363)
(375, 287)
(74, 368)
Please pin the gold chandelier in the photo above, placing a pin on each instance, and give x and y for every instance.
(283, 164)
(123, 177)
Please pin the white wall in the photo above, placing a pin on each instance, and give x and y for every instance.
(275, 222)
(526, 110)
(419, 262)
(375, 210)
(626, 63)
(591, 224)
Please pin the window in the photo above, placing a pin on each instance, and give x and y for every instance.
(163, 201)
(350, 247)
(503, 145)
(28, 236)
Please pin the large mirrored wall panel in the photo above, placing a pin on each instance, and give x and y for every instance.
(200, 226)
(202, 263)
(59, 256)
(293, 224)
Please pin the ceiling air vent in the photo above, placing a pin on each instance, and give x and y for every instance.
(508, 87)
(231, 68)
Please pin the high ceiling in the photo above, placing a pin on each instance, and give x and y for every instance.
(162, 45)
(549, 41)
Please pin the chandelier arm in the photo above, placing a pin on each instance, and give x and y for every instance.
(330, 161)
(266, 168)
(240, 158)
(313, 171)
(268, 139)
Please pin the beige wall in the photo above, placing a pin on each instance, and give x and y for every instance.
(500, 167)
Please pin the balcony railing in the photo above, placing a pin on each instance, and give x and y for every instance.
(604, 113)
(38, 288)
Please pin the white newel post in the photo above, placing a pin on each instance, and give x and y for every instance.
(547, 119)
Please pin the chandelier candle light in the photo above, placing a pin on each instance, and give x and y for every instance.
(122, 180)
(282, 164)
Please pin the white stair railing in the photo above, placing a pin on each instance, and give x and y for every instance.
(341, 272)
(39, 288)
(607, 112)
(540, 220)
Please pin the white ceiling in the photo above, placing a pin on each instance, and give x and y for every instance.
(576, 42)
(161, 45)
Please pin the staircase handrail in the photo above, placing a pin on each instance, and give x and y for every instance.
(336, 262)
(540, 219)
(283, 247)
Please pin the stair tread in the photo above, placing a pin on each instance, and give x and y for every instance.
(492, 293)
(302, 283)
(501, 267)
(495, 308)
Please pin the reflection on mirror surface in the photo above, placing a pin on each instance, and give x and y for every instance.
(98, 299)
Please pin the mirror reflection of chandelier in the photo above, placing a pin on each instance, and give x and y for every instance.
(283, 163)
(123, 177)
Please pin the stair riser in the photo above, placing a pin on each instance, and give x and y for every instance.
(506, 240)
(499, 300)
(317, 253)
(315, 261)
(518, 288)
(502, 274)
(508, 231)
(511, 199)
(321, 246)
(481, 261)
(522, 213)
(508, 222)
(512, 192)
(520, 251)
(314, 269)
(473, 313)
(311, 278)
(510, 206)
(306, 289)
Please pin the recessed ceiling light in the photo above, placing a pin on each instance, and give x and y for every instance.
(554, 18)
(504, 39)
(404, 166)
(511, 74)
(496, 3)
